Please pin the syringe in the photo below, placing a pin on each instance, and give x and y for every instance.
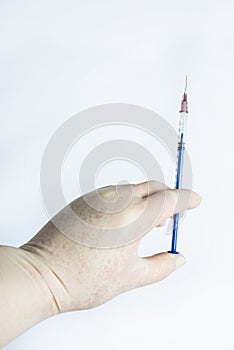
(180, 157)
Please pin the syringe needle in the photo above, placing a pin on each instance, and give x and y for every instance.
(186, 81)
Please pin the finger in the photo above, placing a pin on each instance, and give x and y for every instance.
(177, 201)
(155, 268)
(148, 188)
(166, 203)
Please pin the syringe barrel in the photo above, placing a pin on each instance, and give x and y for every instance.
(182, 126)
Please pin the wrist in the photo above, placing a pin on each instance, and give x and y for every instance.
(52, 284)
(25, 297)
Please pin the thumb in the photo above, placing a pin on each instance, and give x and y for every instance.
(157, 267)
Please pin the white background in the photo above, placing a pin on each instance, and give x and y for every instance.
(60, 57)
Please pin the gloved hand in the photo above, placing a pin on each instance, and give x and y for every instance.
(60, 271)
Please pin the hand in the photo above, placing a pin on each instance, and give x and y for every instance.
(79, 264)
(83, 277)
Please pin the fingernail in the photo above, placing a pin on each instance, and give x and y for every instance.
(180, 260)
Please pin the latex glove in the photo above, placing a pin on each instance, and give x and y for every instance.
(54, 273)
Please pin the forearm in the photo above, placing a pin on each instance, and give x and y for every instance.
(25, 298)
